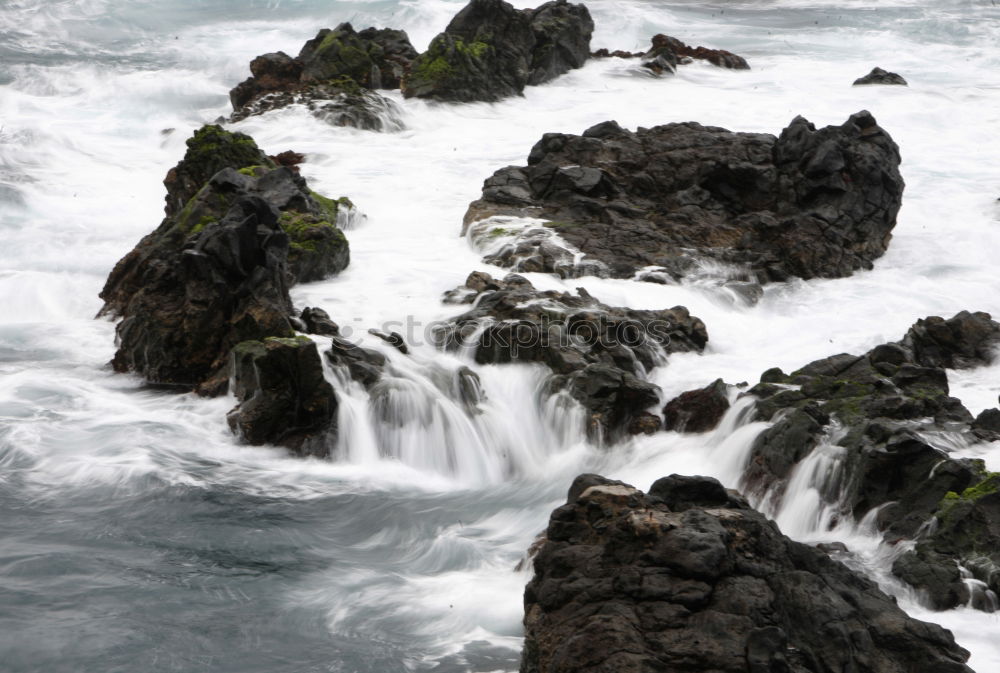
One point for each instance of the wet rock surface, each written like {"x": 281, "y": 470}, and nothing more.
{"x": 666, "y": 53}
{"x": 491, "y": 51}
{"x": 697, "y": 410}
{"x": 810, "y": 203}
{"x": 599, "y": 354}
{"x": 888, "y": 409}
{"x": 283, "y": 397}
{"x": 334, "y": 76}
{"x": 689, "y": 578}
{"x": 216, "y": 271}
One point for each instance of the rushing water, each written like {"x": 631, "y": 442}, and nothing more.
{"x": 136, "y": 534}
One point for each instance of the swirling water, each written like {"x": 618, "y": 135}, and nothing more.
{"x": 134, "y": 531}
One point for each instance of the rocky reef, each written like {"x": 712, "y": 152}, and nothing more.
{"x": 891, "y": 413}
{"x": 239, "y": 231}
{"x": 491, "y": 51}
{"x": 335, "y": 75}
{"x": 658, "y": 203}
{"x": 598, "y": 353}
{"x": 687, "y": 577}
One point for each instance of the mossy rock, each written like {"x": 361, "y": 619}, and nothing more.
{"x": 317, "y": 248}
{"x": 455, "y": 69}
{"x": 209, "y": 150}
{"x": 340, "y": 55}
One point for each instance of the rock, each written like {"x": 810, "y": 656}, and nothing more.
{"x": 283, "y": 397}
{"x": 967, "y": 533}
{"x": 333, "y": 76}
{"x": 373, "y": 58}
{"x": 338, "y": 103}
{"x": 317, "y": 321}
{"x": 719, "y": 57}
{"x": 644, "y": 424}
{"x": 667, "y": 52}
{"x": 697, "y": 410}
{"x": 880, "y": 76}
{"x": 811, "y": 203}
{"x": 596, "y": 352}
{"x": 963, "y": 341}
{"x": 491, "y": 51}
{"x": 289, "y": 159}
{"x": 689, "y": 578}
{"x": 987, "y": 423}
{"x": 271, "y": 72}
{"x": 364, "y": 365}
{"x": 216, "y": 271}
{"x": 936, "y": 575}
{"x": 209, "y": 151}
{"x": 394, "y": 339}
{"x": 886, "y": 404}
{"x": 562, "y": 39}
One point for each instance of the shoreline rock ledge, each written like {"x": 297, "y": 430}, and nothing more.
{"x": 658, "y": 203}
{"x": 688, "y": 578}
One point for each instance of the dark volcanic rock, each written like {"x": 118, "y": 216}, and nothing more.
{"x": 363, "y": 364}
{"x": 283, "y": 397}
{"x": 373, "y": 58}
{"x": 880, "y": 76}
{"x": 216, "y": 271}
{"x": 697, "y": 410}
{"x": 338, "y": 103}
{"x": 271, "y": 72}
{"x": 689, "y": 578}
{"x": 491, "y": 51}
{"x": 967, "y": 531}
{"x": 333, "y": 76}
{"x": 667, "y": 52}
{"x": 887, "y": 406}
{"x": 810, "y": 203}
{"x": 600, "y": 354}
{"x": 562, "y": 39}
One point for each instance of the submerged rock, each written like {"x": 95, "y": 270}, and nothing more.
{"x": 599, "y": 354}
{"x": 880, "y": 76}
{"x": 216, "y": 271}
{"x": 884, "y": 408}
{"x": 810, "y": 203}
{"x": 689, "y": 578}
{"x": 491, "y": 51}
{"x": 334, "y": 76}
{"x": 283, "y": 397}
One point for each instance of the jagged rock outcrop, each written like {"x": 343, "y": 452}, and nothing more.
{"x": 884, "y": 408}
{"x": 810, "y": 203}
{"x": 599, "y": 354}
{"x": 334, "y": 76}
{"x": 689, "y": 578}
{"x": 666, "y": 53}
{"x": 697, "y": 410}
{"x": 283, "y": 397}
{"x": 880, "y": 76}
{"x": 216, "y": 271}
{"x": 491, "y": 51}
